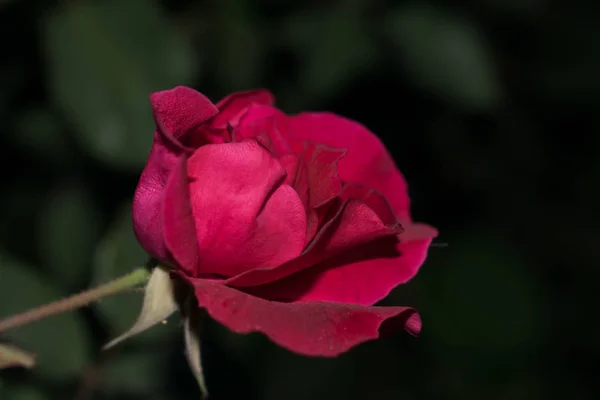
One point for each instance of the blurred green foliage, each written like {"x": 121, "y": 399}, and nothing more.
{"x": 490, "y": 108}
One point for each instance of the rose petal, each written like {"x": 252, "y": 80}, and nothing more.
{"x": 149, "y": 194}
{"x": 367, "y": 162}
{"x": 315, "y": 329}
{"x": 178, "y": 220}
{"x": 374, "y": 200}
{"x": 363, "y": 275}
{"x": 354, "y": 224}
{"x": 234, "y": 106}
{"x": 176, "y": 111}
{"x": 321, "y": 163}
{"x": 182, "y": 110}
{"x": 245, "y": 217}
{"x": 268, "y": 125}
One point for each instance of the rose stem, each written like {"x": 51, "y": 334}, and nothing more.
{"x": 134, "y": 278}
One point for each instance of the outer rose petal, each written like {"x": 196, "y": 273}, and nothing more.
{"x": 268, "y": 125}
{"x": 182, "y": 110}
{"x": 178, "y": 220}
{"x": 367, "y": 161}
{"x": 176, "y": 112}
{"x": 149, "y": 194}
{"x": 354, "y": 224}
{"x": 234, "y": 106}
{"x": 364, "y": 275}
{"x": 315, "y": 329}
{"x": 245, "y": 217}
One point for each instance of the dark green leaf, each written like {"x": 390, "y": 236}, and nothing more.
{"x": 135, "y": 373}
{"x": 39, "y": 133}
{"x": 60, "y": 342}
{"x": 68, "y": 229}
{"x": 446, "y": 55}
{"x": 334, "y": 47}
{"x": 240, "y": 49}
{"x": 483, "y": 298}
{"x": 105, "y": 58}
{"x": 21, "y": 393}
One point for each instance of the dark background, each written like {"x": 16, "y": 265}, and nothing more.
{"x": 490, "y": 108}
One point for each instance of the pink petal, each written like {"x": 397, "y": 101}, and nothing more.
{"x": 149, "y": 194}
{"x": 321, "y": 163}
{"x": 367, "y": 162}
{"x": 354, "y": 224}
{"x": 178, "y": 220}
{"x": 373, "y": 199}
{"x": 245, "y": 216}
{"x": 363, "y": 275}
{"x": 234, "y": 106}
{"x": 176, "y": 112}
{"x": 181, "y": 110}
{"x": 268, "y": 125}
{"x": 314, "y": 329}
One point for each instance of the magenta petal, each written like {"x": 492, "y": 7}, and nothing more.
{"x": 181, "y": 110}
{"x": 374, "y": 200}
{"x": 367, "y": 162}
{"x": 261, "y": 121}
{"x": 363, "y": 275}
{"x": 322, "y": 170}
{"x": 245, "y": 216}
{"x": 354, "y": 224}
{"x": 234, "y": 106}
{"x": 314, "y": 329}
{"x": 178, "y": 220}
{"x": 149, "y": 194}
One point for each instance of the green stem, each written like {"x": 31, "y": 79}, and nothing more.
{"x": 133, "y": 279}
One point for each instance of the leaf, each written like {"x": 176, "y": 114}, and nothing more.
{"x": 39, "y": 133}
{"x": 159, "y": 304}
{"x": 191, "y": 330}
{"x": 134, "y": 373}
{"x": 104, "y": 63}
{"x": 21, "y": 393}
{"x": 334, "y": 47}
{"x": 60, "y": 342}
{"x": 446, "y": 55}
{"x": 483, "y": 299}
{"x": 68, "y": 229}
{"x": 241, "y": 52}
{"x": 12, "y": 356}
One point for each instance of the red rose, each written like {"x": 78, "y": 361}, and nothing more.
{"x": 293, "y": 226}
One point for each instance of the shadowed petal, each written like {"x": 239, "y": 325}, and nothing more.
{"x": 234, "y": 106}
{"x": 367, "y": 162}
{"x": 364, "y": 275}
{"x": 321, "y": 163}
{"x": 315, "y": 329}
{"x": 268, "y": 125}
{"x": 178, "y": 219}
{"x": 354, "y": 224}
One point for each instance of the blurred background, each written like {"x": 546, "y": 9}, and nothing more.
{"x": 490, "y": 108}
